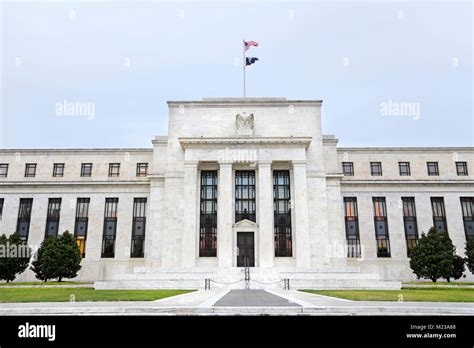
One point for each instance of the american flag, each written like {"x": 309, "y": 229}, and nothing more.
{"x": 248, "y": 44}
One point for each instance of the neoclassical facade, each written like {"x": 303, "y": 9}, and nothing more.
{"x": 235, "y": 183}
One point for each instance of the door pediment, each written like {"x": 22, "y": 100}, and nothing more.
{"x": 245, "y": 223}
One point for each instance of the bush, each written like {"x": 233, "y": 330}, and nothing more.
{"x": 433, "y": 257}
{"x": 58, "y": 257}
{"x": 14, "y": 256}
{"x": 470, "y": 254}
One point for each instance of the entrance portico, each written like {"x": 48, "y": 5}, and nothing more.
{"x": 261, "y": 156}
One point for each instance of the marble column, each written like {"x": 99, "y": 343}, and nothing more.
{"x": 265, "y": 213}
{"x": 191, "y": 204}
{"x": 224, "y": 216}
{"x": 300, "y": 203}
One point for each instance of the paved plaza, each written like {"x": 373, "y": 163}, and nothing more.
{"x": 240, "y": 302}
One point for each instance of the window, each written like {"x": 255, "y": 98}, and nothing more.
{"x": 114, "y": 169}
{"x": 376, "y": 168}
{"x": 208, "y": 214}
{"x": 142, "y": 169}
{"x": 404, "y": 168}
{"x": 58, "y": 169}
{"x": 110, "y": 227}
{"x": 439, "y": 214}
{"x": 282, "y": 213}
{"x": 30, "y": 170}
{"x": 352, "y": 226}
{"x": 86, "y": 169}
{"x": 467, "y": 204}
{"x": 82, "y": 224}
{"x": 381, "y": 227}
{"x": 433, "y": 169}
{"x": 138, "y": 227}
{"x": 3, "y": 170}
{"x": 461, "y": 168}
{"x": 348, "y": 168}
{"x": 409, "y": 222}
{"x": 52, "y": 219}
{"x": 1, "y": 207}
{"x": 245, "y": 195}
{"x": 24, "y": 217}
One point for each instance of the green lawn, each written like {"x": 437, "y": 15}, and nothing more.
{"x": 42, "y": 283}
{"x": 82, "y": 294}
{"x": 409, "y": 295}
{"x": 440, "y": 283}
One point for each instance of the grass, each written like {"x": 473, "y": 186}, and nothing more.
{"x": 82, "y": 294}
{"x": 409, "y": 295}
{"x": 440, "y": 283}
{"x": 42, "y": 283}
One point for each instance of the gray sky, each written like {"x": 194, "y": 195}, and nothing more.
{"x": 128, "y": 58}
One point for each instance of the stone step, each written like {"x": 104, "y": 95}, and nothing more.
{"x": 319, "y": 284}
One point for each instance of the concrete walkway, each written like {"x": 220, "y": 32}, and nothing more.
{"x": 253, "y": 298}
{"x": 240, "y": 302}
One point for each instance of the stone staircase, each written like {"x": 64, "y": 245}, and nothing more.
{"x": 260, "y": 278}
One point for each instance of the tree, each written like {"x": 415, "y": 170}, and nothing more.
{"x": 14, "y": 256}
{"x": 457, "y": 269}
{"x": 58, "y": 257}
{"x": 470, "y": 254}
{"x": 434, "y": 255}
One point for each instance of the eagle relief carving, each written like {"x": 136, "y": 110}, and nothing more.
{"x": 244, "y": 124}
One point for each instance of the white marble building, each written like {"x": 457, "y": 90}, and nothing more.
{"x": 240, "y": 182}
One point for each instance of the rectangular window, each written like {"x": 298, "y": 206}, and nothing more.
{"x": 58, "y": 169}
{"x": 1, "y": 208}
{"x": 467, "y": 204}
{"x": 352, "y": 227}
{"x": 24, "y": 217}
{"x": 348, "y": 168}
{"x": 409, "y": 222}
{"x": 376, "y": 168}
{"x": 142, "y": 169}
{"x": 208, "y": 214}
{"x": 3, "y": 170}
{"x": 82, "y": 223}
{"x": 245, "y": 195}
{"x": 114, "y": 169}
{"x": 381, "y": 227}
{"x": 282, "y": 213}
{"x": 138, "y": 227}
{"x": 30, "y": 170}
{"x": 52, "y": 218}
{"x": 110, "y": 227}
{"x": 86, "y": 169}
{"x": 433, "y": 169}
{"x": 439, "y": 214}
{"x": 461, "y": 168}
{"x": 404, "y": 168}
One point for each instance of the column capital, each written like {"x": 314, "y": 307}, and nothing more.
{"x": 262, "y": 163}
{"x": 299, "y": 163}
{"x": 191, "y": 163}
{"x": 225, "y": 164}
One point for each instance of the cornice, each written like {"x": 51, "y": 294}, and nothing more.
{"x": 213, "y": 141}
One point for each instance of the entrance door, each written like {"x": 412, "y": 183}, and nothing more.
{"x": 245, "y": 245}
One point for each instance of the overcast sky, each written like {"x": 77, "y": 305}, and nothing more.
{"x": 126, "y": 59}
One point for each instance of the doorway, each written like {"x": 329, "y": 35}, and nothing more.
{"x": 245, "y": 247}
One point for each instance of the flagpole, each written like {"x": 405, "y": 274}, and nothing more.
{"x": 243, "y": 62}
